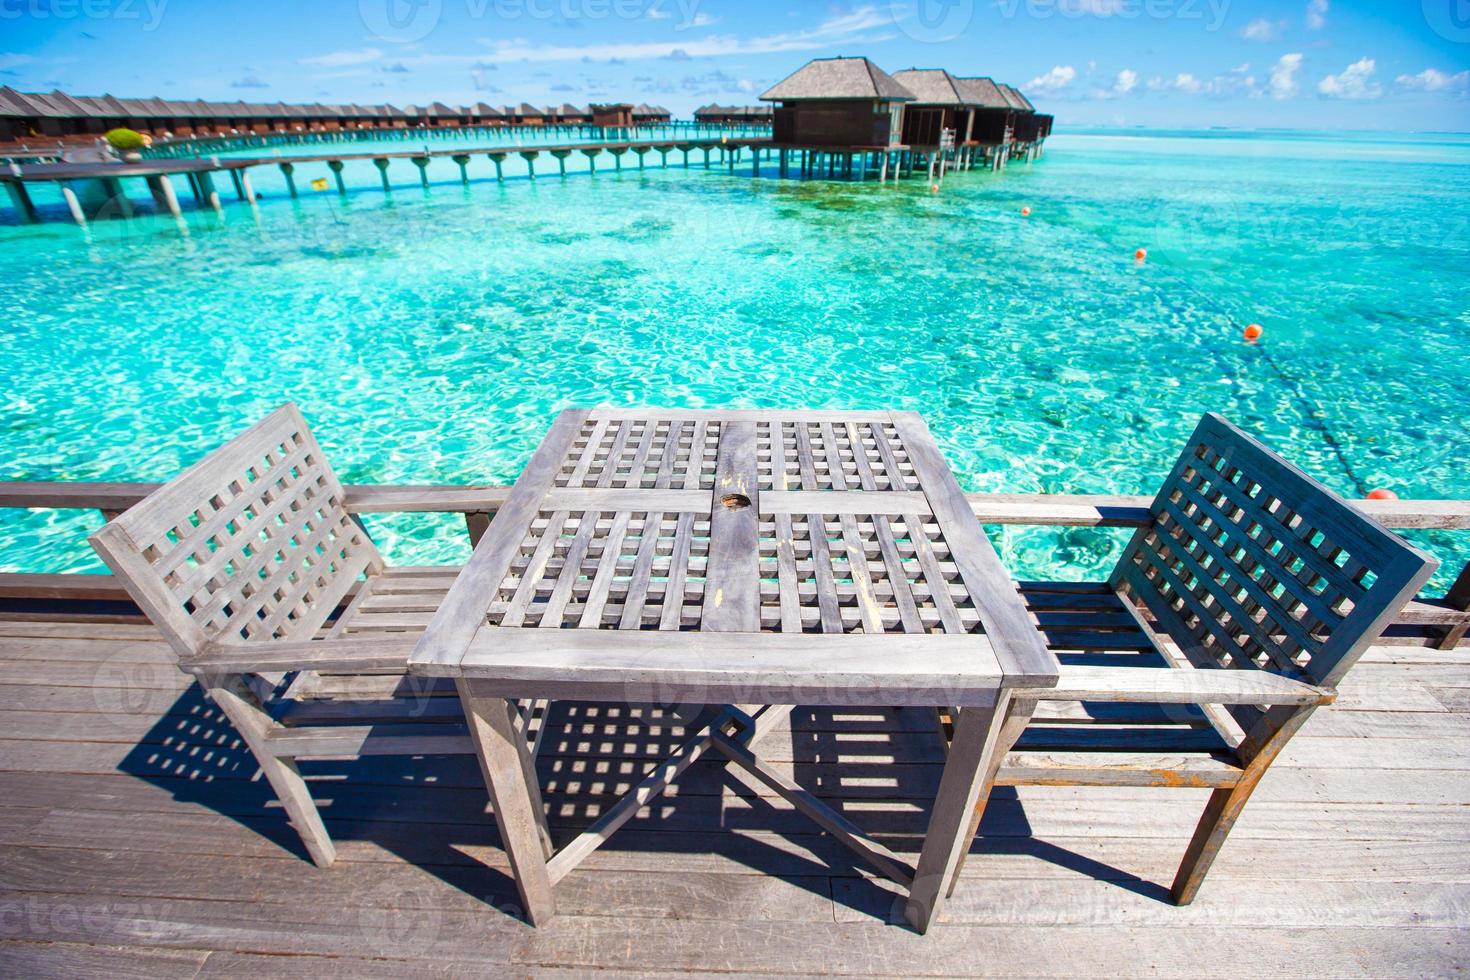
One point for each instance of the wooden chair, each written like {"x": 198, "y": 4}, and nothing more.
{"x": 244, "y": 562}
{"x": 1228, "y": 620}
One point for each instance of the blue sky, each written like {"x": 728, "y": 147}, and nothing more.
{"x": 1320, "y": 64}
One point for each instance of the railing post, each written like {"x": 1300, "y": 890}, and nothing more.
{"x": 477, "y": 523}
{"x": 1458, "y": 597}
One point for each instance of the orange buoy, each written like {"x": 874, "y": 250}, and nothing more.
{"x": 934, "y": 188}
{"x": 1253, "y": 333}
{"x": 1025, "y": 212}
{"x": 1140, "y": 255}
{"x": 1383, "y": 494}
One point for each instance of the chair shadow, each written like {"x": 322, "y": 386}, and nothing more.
{"x": 878, "y": 767}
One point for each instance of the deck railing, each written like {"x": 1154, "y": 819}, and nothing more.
{"x": 1440, "y": 621}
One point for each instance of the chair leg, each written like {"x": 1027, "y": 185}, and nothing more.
{"x": 1209, "y": 836}
{"x": 232, "y": 695}
{"x": 1262, "y": 745}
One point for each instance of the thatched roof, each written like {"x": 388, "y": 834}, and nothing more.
{"x": 983, "y": 92}
{"x": 932, "y": 86}
{"x": 1014, "y": 98}
{"x": 838, "y": 78}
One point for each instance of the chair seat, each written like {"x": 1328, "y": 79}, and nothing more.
{"x": 401, "y": 600}
{"x": 1103, "y": 743}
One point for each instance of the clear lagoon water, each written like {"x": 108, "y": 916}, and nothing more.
{"x": 430, "y": 335}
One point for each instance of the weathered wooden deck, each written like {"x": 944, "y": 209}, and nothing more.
{"x": 138, "y": 843}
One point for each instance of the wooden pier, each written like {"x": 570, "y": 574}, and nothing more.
{"x": 140, "y": 842}
{"x": 764, "y": 156}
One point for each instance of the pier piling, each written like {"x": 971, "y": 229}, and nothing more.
{"x": 73, "y": 205}
{"x": 336, "y": 167}
{"x": 382, "y": 164}
{"x": 289, "y": 170}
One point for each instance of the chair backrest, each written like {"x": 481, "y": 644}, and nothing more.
{"x": 1251, "y": 563}
{"x": 250, "y": 543}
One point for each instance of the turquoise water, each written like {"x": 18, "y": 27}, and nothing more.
{"x": 430, "y": 335}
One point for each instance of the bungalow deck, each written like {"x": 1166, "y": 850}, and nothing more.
{"x": 139, "y": 841}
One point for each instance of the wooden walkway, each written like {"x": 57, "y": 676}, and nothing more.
{"x": 137, "y": 843}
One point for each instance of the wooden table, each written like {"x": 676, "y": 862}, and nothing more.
{"x": 747, "y": 562}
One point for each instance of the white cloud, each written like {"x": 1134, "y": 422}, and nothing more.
{"x": 1098, "y": 8}
{"x": 1316, "y": 14}
{"x": 1283, "y": 76}
{"x": 11, "y": 59}
{"x": 1434, "y": 80}
{"x": 1053, "y": 81}
{"x": 341, "y": 59}
{"x": 1354, "y": 82}
{"x": 1236, "y": 81}
{"x": 854, "y": 27}
{"x": 1124, "y": 84}
{"x": 1263, "y": 29}
{"x": 1182, "y": 82}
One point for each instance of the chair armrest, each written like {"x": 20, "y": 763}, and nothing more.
{"x": 267, "y": 657}
{"x": 1183, "y": 685}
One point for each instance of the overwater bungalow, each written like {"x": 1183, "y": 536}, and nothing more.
{"x": 651, "y": 115}
{"x": 61, "y": 118}
{"x": 528, "y": 115}
{"x": 993, "y": 120}
{"x": 847, "y": 103}
{"x": 570, "y": 115}
{"x": 488, "y": 115}
{"x": 940, "y": 107}
{"x": 733, "y": 115}
{"x": 613, "y": 115}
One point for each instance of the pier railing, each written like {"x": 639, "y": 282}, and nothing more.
{"x": 1437, "y": 621}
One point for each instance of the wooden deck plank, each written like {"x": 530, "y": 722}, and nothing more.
{"x": 138, "y": 843}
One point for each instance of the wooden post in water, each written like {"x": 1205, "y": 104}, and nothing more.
{"x": 247, "y": 191}
{"x": 463, "y": 159}
{"x": 208, "y": 196}
{"x": 21, "y": 199}
{"x": 335, "y": 166}
{"x": 289, "y": 169}
{"x": 640, "y": 152}
{"x": 382, "y": 164}
{"x": 235, "y": 179}
{"x": 422, "y": 163}
{"x": 591, "y": 153}
{"x": 561, "y": 159}
{"x": 499, "y": 160}
{"x": 115, "y": 195}
{"x": 617, "y": 155}
{"x": 530, "y": 157}
{"x": 73, "y": 205}
{"x": 164, "y": 196}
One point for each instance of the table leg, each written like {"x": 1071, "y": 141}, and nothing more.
{"x": 976, "y": 740}
{"x": 495, "y": 739}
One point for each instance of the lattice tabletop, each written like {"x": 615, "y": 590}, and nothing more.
{"x": 749, "y": 554}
